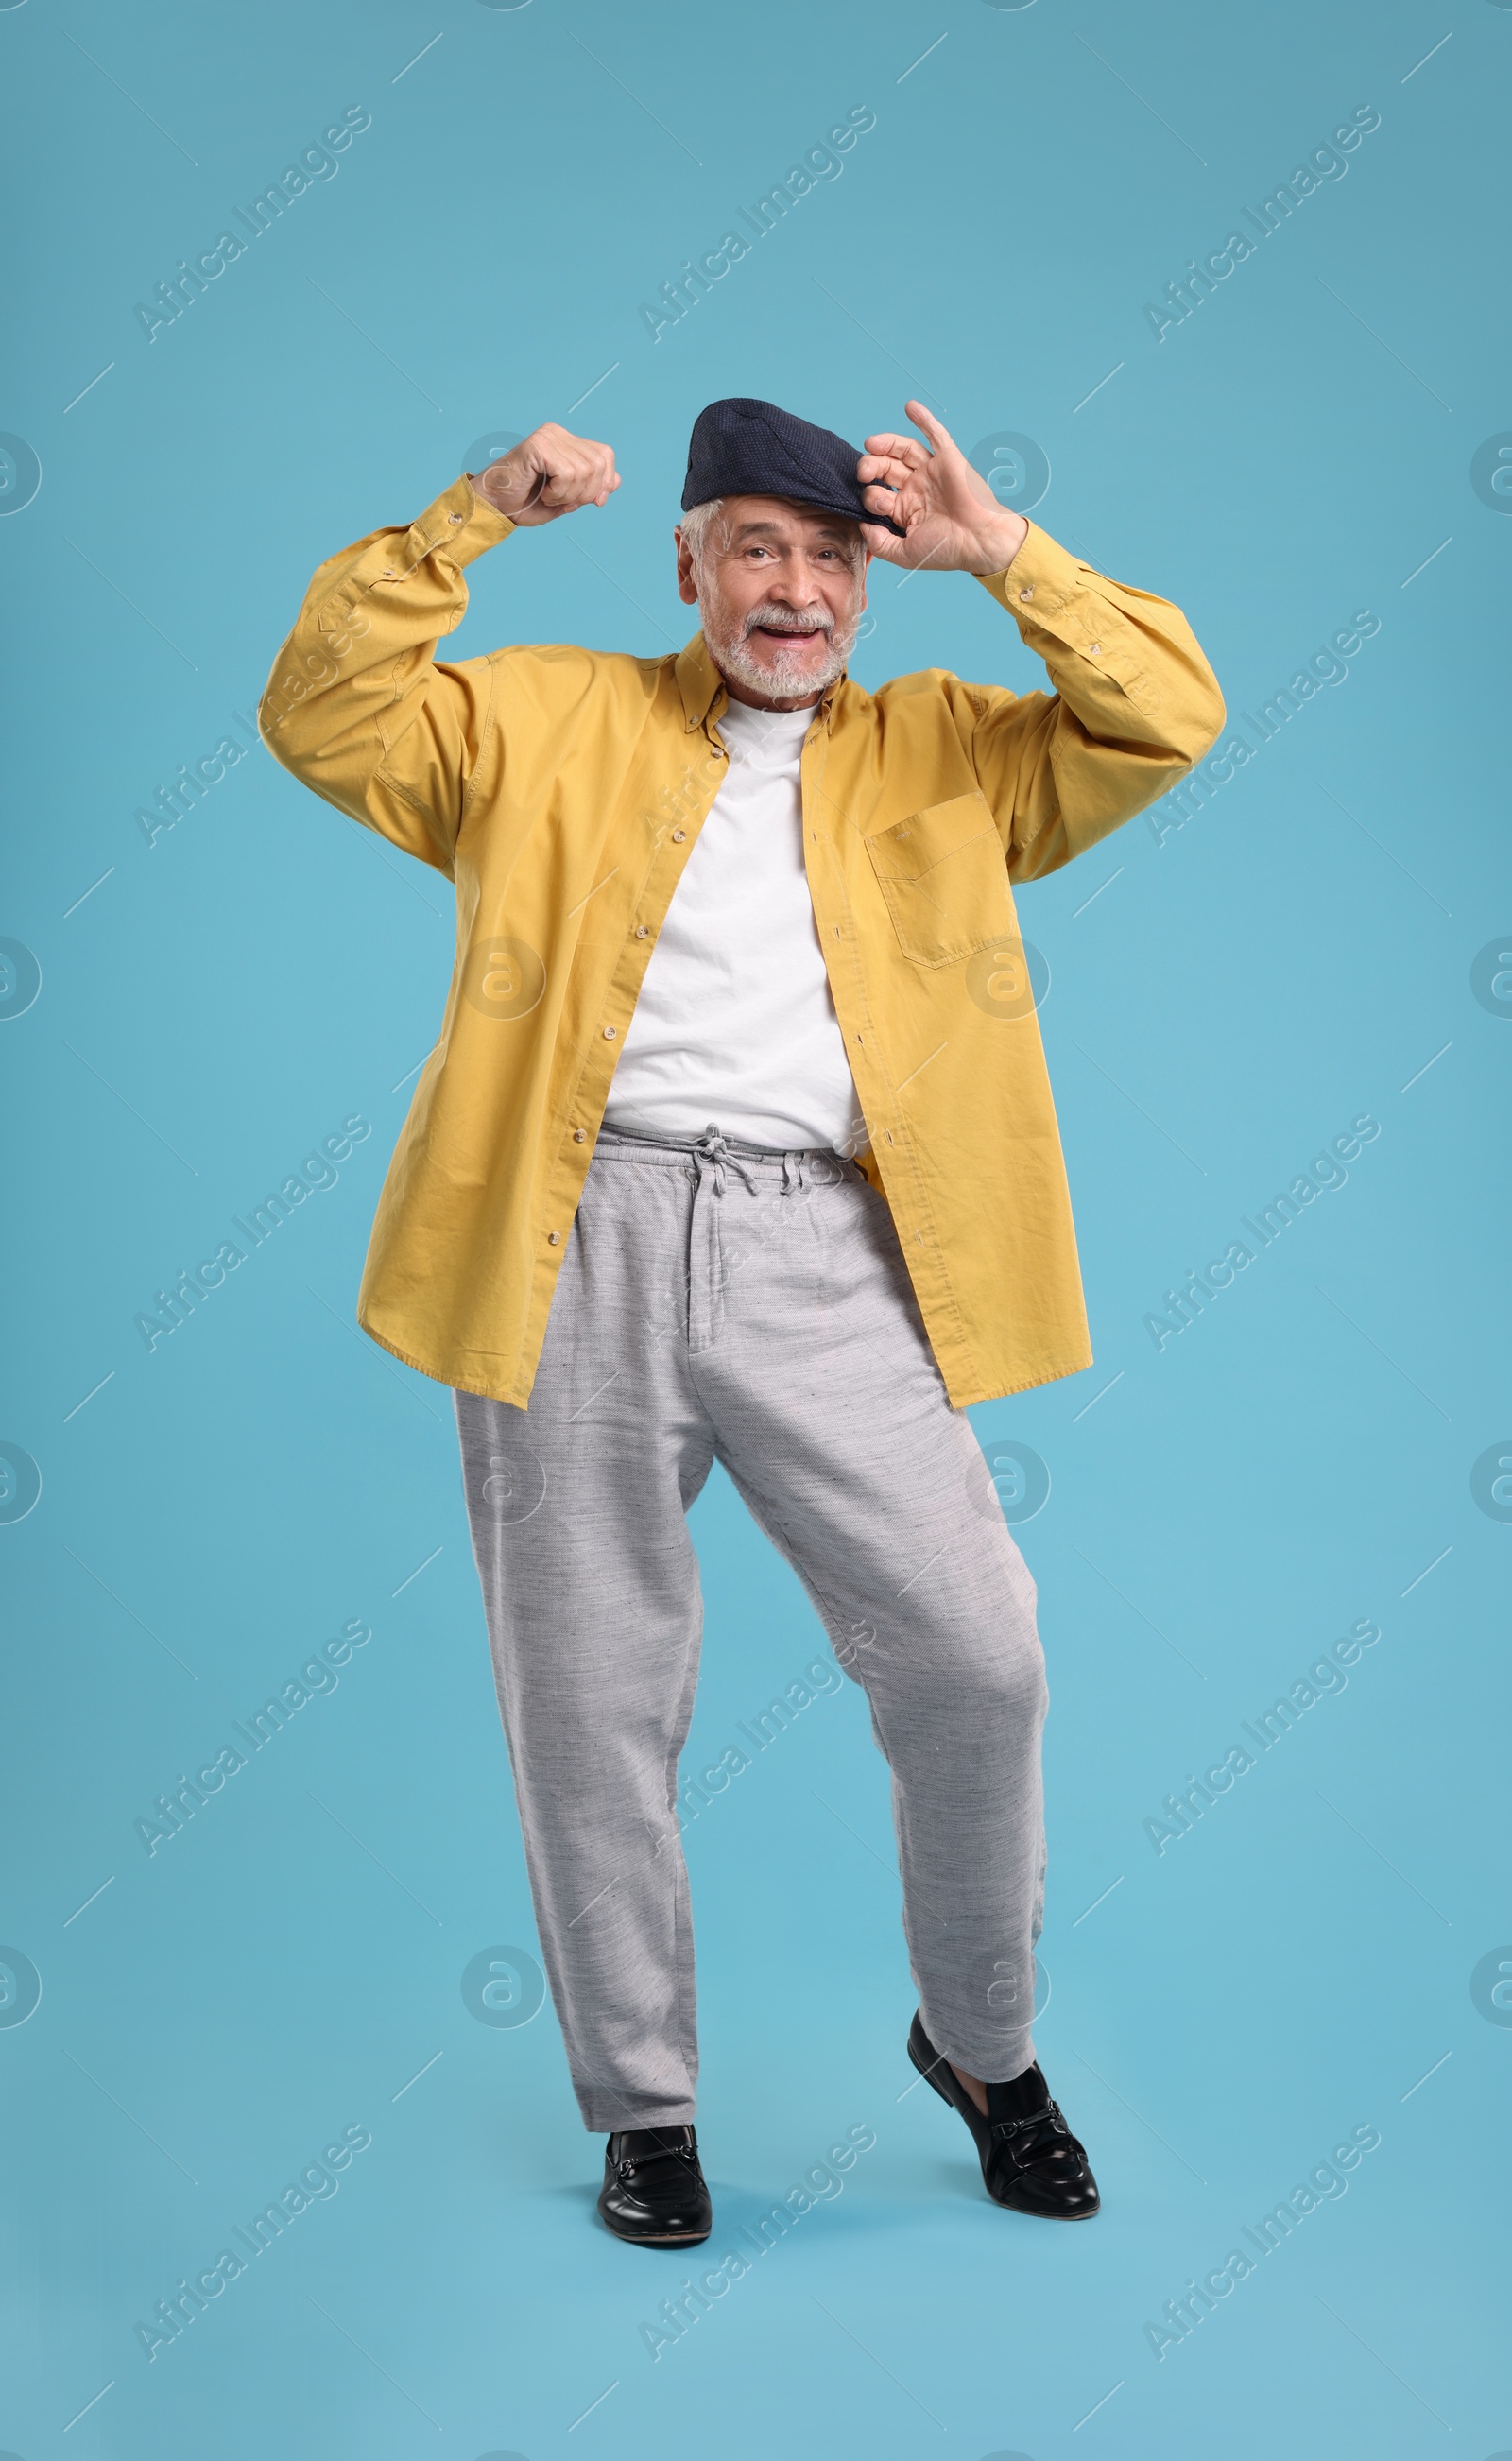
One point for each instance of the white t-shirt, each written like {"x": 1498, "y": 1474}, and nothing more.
{"x": 735, "y": 1024}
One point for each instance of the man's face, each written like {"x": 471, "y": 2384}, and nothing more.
{"x": 781, "y": 591}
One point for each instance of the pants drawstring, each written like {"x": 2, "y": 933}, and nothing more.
{"x": 712, "y": 1154}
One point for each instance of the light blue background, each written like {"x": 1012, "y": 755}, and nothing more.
{"x": 212, "y": 1006}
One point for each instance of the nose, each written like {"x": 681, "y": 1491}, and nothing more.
{"x": 796, "y": 587}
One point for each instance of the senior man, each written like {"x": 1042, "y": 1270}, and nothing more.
{"x": 738, "y": 1144}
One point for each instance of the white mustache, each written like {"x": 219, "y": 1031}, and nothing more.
{"x": 784, "y": 619}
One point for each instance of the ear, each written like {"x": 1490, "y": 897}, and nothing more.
{"x": 687, "y": 586}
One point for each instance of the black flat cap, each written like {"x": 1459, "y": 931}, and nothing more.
{"x": 751, "y": 448}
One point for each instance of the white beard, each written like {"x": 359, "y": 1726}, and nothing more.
{"x": 782, "y": 676}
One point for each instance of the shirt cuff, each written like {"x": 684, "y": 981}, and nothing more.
{"x": 462, "y": 522}
{"x": 1061, "y": 606}
{"x": 1039, "y": 582}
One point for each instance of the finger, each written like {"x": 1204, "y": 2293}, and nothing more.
{"x": 591, "y": 463}
{"x": 937, "y": 433}
{"x": 882, "y": 545}
{"x": 900, "y": 448}
{"x": 604, "y": 477}
{"x": 892, "y": 503}
{"x": 553, "y": 448}
{"x": 577, "y": 479}
{"x": 883, "y": 469}
{"x": 550, "y": 439}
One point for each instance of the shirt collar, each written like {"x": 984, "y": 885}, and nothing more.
{"x": 703, "y": 690}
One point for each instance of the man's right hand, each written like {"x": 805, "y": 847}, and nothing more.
{"x": 549, "y": 474}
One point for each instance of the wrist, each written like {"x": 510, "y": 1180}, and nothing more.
{"x": 999, "y": 541}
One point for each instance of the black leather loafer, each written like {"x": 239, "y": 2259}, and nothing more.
{"x": 654, "y": 2191}
{"x": 1030, "y": 2161}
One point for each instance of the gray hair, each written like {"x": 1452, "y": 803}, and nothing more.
{"x": 696, "y": 524}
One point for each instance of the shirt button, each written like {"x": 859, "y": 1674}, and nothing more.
{"x": 455, "y": 517}
{"x": 580, "y": 1136}
{"x": 678, "y": 836}
{"x": 554, "y": 1238}
{"x": 1093, "y": 649}
{"x": 641, "y": 931}
{"x": 1026, "y": 593}
{"x": 610, "y": 1032}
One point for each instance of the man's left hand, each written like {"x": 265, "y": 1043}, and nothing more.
{"x": 954, "y": 522}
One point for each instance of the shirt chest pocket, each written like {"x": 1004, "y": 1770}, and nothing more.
{"x": 945, "y": 878}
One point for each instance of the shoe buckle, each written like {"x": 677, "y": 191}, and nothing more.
{"x": 1005, "y": 2130}
{"x": 628, "y": 2163}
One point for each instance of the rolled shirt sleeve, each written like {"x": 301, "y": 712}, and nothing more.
{"x": 1135, "y": 704}
{"x": 357, "y": 706}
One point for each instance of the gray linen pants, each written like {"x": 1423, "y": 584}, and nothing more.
{"x": 720, "y": 1300}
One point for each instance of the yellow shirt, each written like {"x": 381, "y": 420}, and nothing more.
{"x": 563, "y": 790}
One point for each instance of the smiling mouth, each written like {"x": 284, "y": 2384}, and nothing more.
{"x": 790, "y": 632}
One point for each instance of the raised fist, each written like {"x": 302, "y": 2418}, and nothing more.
{"x": 549, "y": 474}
